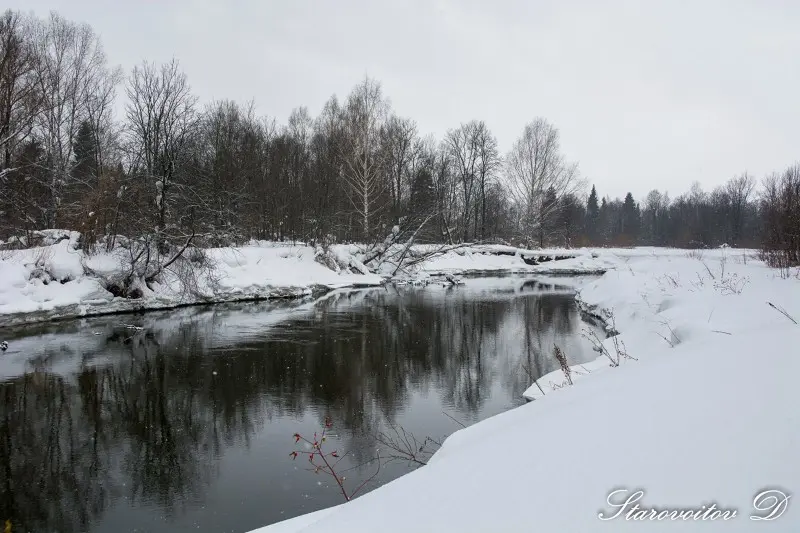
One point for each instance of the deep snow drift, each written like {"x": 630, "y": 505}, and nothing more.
{"x": 57, "y": 280}
{"x": 701, "y": 412}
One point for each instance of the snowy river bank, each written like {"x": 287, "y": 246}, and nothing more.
{"x": 59, "y": 281}
{"x": 694, "y": 403}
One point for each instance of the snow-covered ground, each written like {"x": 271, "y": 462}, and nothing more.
{"x": 494, "y": 259}
{"x": 57, "y": 280}
{"x": 701, "y": 412}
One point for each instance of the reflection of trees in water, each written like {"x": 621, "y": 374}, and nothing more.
{"x": 155, "y": 419}
{"x": 390, "y": 348}
{"x": 462, "y": 351}
{"x": 550, "y": 320}
{"x": 150, "y": 422}
{"x": 169, "y": 433}
{"x": 457, "y": 345}
{"x": 368, "y": 351}
{"x": 54, "y": 476}
{"x": 415, "y": 342}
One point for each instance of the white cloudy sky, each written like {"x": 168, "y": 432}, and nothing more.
{"x": 647, "y": 94}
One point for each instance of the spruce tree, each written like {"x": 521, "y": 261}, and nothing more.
{"x": 603, "y": 229}
{"x": 592, "y": 217}
{"x": 85, "y": 151}
{"x": 630, "y": 218}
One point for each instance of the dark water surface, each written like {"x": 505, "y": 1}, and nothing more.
{"x": 187, "y": 424}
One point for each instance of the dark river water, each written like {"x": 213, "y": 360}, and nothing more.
{"x": 187, "y": 424}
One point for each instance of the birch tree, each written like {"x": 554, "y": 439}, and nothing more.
{"x": 536, "y": 169}
{"x": 364, "y": 181}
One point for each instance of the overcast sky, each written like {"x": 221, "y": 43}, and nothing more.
{"x": 646, "y": 94}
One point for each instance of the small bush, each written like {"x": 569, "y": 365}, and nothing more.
{"x": 326, "y": 462}
{"x": 695, "y": 254}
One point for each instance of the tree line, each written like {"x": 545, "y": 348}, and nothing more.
{"x": 172, "y": 170}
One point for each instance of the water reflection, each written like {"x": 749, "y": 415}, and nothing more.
{"x": 187, "y": 423}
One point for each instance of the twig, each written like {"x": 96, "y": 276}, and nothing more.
{"x": 782, "y": 311}
{"x": 535, "y": 381}
{"x": 671, "y": 332}
{"x": 598, "y": 346}
{"x": 666, "y": 339}
{"x": 406, "y": 447}
{"x": 448, "y": 415}
{"x": 709, "y": 270}
{"x": 373, "y": 476}
{"x": 174, "y": 257}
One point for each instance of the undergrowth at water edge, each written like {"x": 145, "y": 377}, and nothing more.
{"x": 326, "y": 462}
{"x": 400, "y": 445}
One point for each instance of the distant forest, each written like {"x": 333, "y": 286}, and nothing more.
{"x": 218, "y": 174}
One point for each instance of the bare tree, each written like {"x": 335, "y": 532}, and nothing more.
{"x": 445, "y": 185}
{"x": 473, "y": 153}
{"x": 161, "y": 119}
{"x": 539, "y": 176}
{"x": 398, "y": 141}
{"x": 325, "y": 175}
{"x": 739, "y": 190}
{"x": 780, "y": 206}
{"x": 362, "y": 174}
{"x": 161, "y": 197}
{"x": 19, "y": 99}
{"x": 464, "y": 156}
{"x": 654, "y": 217}
{"x": 489, "y": 163}
{"x": 90, "y": 196}
{"x": 69, "y": 67}
{"x": 99, "y": 114}
{"x": 298, "y": 133}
